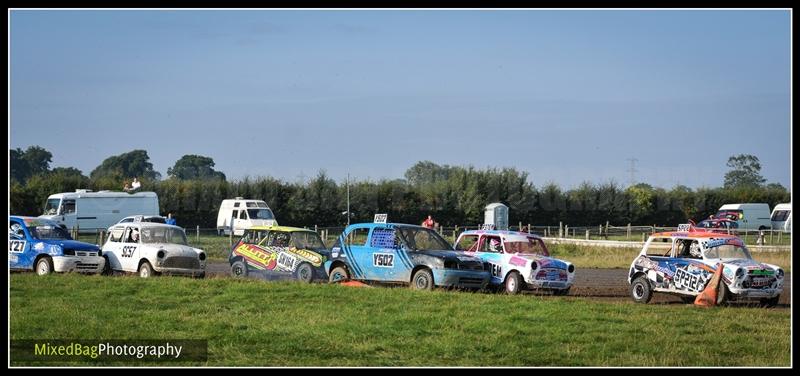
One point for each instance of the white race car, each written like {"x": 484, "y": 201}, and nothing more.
{"x": 151, "y": 249}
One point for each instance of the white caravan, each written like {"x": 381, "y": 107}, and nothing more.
{"x": 97, "y": 210}
{"x": 782, "y": 217}
{"x": 240, "y": 214}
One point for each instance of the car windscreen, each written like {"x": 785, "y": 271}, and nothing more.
{"x": 307, "y": 240}
{"x": 731, "y": 215}
{"x": 51, "y": 207}
{"x": 423, "y": 239}
{"x": 260, "y": 214}
{"x": 526, "y": 245}
{"x": 727, "y": 249}
{"x": 48, "y": 232}
{"x": 163, "y": 235}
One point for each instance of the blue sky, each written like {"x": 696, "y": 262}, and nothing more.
{"x": 566, "y": 96}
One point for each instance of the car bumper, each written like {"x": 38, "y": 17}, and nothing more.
{"x": 545, "y": 284}
{"x": 460, "y": 278}
{"x": 182, "y": 271}
{"x": 78, "y": 264}
{"x": 756, "y": 293}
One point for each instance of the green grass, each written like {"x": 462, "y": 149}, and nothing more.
{"x": 249, "y": 322}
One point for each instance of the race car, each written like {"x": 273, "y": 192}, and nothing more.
{"x": 44, "y": 246}
{"x": 403, "y": 253}
{"x": 682, "y": 263}
{"x": 518, "y": 260}
{"x": 279, "y": 252}
{"x": 151, "y": 249}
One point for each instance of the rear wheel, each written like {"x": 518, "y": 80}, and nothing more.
{"x": 640, "y": 290}
{"x": 44, "y": 266}
{"x": 304, "y": 272}
{"x": 239, "y": 269}
{"x": 513, "y": 283}
{"x": 338, "y": 274}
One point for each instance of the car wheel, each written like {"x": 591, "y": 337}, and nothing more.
{"x": 44, "y": 266}
{"x": 422, "y": 280}
{"x": 145, "y": 270}
{"x": 723, "y": 295}
{"x": 339, "y": 274}
{"x": 770, "y": 302}
{"x": 107, "y": 267}
{"x": 239, "y": 269}
{"x": 513, "y": 284}
{"x": 640, "y": 290}
{"x": 561, "y": 292}
{"x": 304, "y": 272}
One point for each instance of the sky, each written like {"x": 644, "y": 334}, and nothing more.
{"x": 566, "y": 96}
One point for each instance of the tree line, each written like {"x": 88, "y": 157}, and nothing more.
{"x": 453, "y": 195}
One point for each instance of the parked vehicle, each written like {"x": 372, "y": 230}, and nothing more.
{"x": 782, "y": 217}
{"x": 724, "y": 226}
{"x": 45, "y": 247}
{"x": 682, "y": 263}
{"x": 403, "y": 253}
{"x": 90, "y": 211}
{"x": 746, "y": 216}
{"x": 151, "y": 249}
{"x": 143, "y": 218}
{"x": 240, "y": 214}
{"x": 279, "y": 252}
{"x": 518, "y": 260}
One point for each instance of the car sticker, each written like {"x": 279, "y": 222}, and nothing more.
{"x": 383, "y": 260}
{"x": 16, "y": 246}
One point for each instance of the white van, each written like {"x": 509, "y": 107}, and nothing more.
{"x": 782, "y": 217}
{"x": 242, "y": 214}
{"x": 97, "y": 210}
{"x": 746, "y": 216}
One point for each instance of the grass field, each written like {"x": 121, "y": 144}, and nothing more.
{"x": 249, "y": 322}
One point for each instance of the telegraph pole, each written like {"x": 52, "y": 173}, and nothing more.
{"x": 632, "y": 170}
{"x": 348, "y": 198}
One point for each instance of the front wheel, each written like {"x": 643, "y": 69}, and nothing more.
{"x": 145, "y": 270}
{"x": 44, "y": 266}
{"x": 770, "y": 302}
{"x": 239, "y": 269}
{"x": 513, "y": 283}
{"x": 723, "y": 295}
{"x": 304, "y": 273}
{"x": 640, "y": 290}
{"x": 422, "y": 280}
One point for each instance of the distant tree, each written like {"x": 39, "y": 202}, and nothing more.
{"x": 135, "y": 163}
{"x": 425, "y": 172}
{"x": 67, "y": 171}
{"x": 776, "y": 186}
{"x": 33, "y": 161}
{"x": 191, "y": 167}
{"x": 746, "y": 172}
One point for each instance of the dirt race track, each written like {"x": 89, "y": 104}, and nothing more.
{"x": 596, "y": 283}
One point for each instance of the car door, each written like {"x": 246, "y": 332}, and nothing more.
{"x": 130, "y": 249}
{"x": 19, "y": 249}
{"x": 358, "y": 254}
{"x": 112, "y": 250}
{"x": 490, "y": 249}
{"x": 388, "y": 262}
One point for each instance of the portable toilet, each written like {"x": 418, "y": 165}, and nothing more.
{"x": 496, "y": 214}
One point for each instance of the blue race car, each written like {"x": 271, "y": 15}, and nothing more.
{"x": 402, "y": 253}
{"x": 42, "y": 245}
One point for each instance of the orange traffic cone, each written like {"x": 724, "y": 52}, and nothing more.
{"x": 354, "y": 284}
{"x": 708, "y": 298}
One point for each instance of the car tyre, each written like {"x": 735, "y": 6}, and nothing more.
{"x": 239, "y": 269}
{"x": 770, "y": 302}
{"x": 422, "y": 280}
{"x": 146, "y": 270}
{"x": 641, "y": 292}
{"x": 513, "y": 283}
{"x": 723, "y": 295}
{"x": 304, "y": 272}
{"x": 562, "y": 292}
{"x": 44, "y": 266}
{"x": 339, "y": 274}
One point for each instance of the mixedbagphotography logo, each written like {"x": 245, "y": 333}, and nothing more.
{"x": 180, "y": 350}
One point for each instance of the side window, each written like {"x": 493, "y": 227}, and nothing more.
{"x": 68, "y": 206}
{"x": 254, "y": 236}
{"x": 235, "y": 214}
{"x": 357, "y": 237}
{"x": 278, "y": 239}
{"x": 116, "y": 235}
{"x": 235, "y": 205}
{"x": 492, "y": 244}
{"x": 468, "y": 243}
{"x": 384, "y": 238}
{"x": 243, "y": 214}
{"x": 15, "y": 230}
{"x": 127, "y": 237}
{"x": 659, "y": 247}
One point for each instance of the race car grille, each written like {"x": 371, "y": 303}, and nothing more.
{"x": 84, "y": 266}
{"x": 183, "y": 262}
{"x": 757, "y": 282}
{"x": 466, "y": 265}
{"x": 85, "y": 253}
{"x": 551, "y": 275}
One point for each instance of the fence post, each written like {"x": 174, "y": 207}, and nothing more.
{"x": 197, "y": 238}
{"x": 771, "y": 237}
{"x": 102, "y": 237}
{"x": 642, "y": 237}
{"x": 606, "y": 237}
{"x": 547, "y": 232}
{"x": 566, "y": 231}
{"x": 529, "y": 228}
{"x": 560, "y": 229}
{"x": 587, "y": 234}
{"x": 629, "y": 231}
{"x": 230, "y": 236}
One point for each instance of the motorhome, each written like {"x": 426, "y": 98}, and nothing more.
{"x": 782, "y": 217}
{"x": 89, "y": 211}
{"x": 239, "y": 214}
{"x": 747, "y": 216}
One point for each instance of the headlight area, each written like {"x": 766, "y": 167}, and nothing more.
{"x": 160, "y": 255}
{"x": 571, "y": 268}
{"x": 202, "y": 256}
{"x": 68, "y": 252}
{"x": 780, "y": 273}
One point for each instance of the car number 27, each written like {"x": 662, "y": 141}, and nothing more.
{"x": 127, "y": 251}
